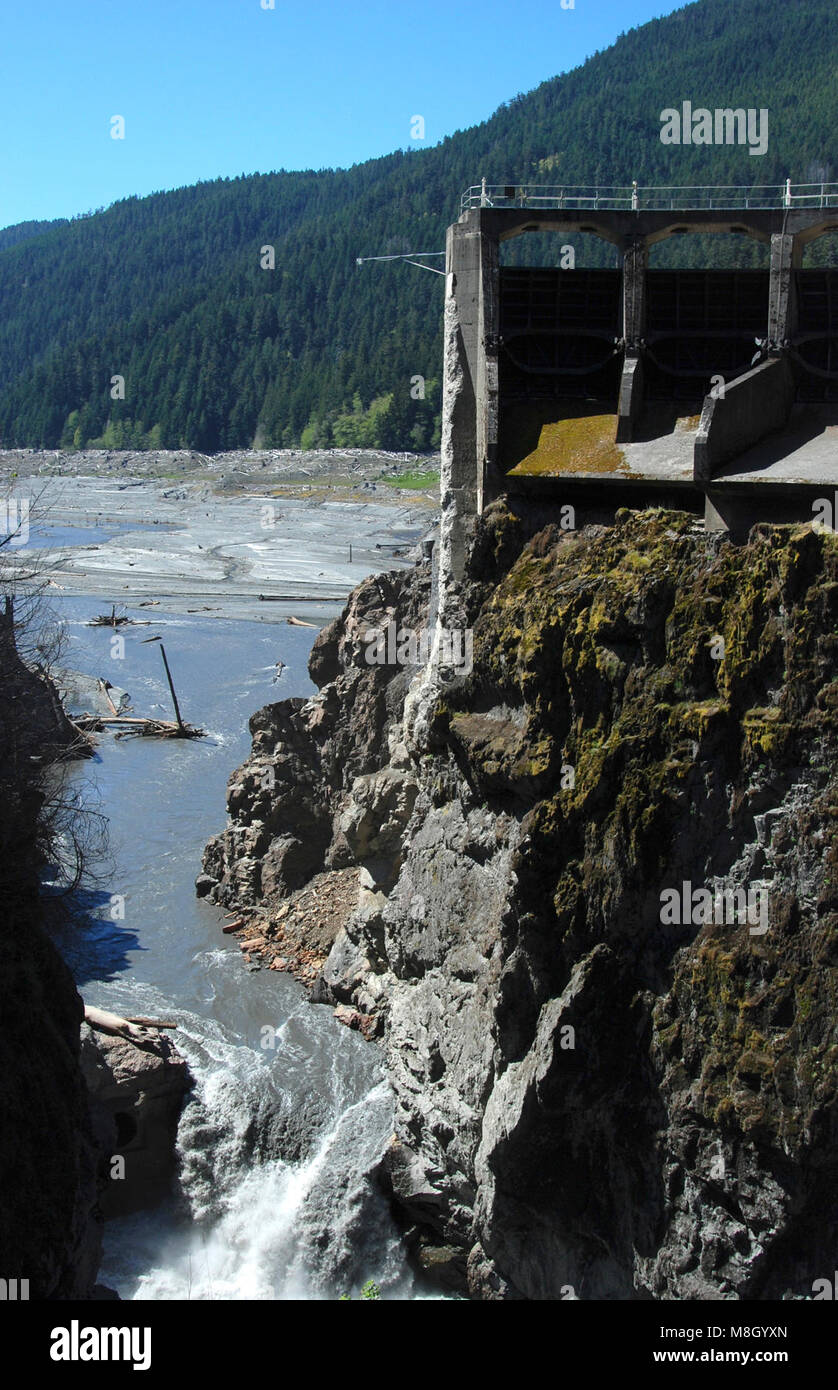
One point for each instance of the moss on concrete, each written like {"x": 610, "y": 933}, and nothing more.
{"x": 582, "y": 440}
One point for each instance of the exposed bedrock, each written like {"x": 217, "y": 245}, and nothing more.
{"x": 595, "y": 1098}
{"x": 286, "y": 802}
{"x": 50, "y": 1223}
{"x": 137, "y": 1081}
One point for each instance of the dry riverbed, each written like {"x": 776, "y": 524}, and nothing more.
{"x": 239, "y": 535}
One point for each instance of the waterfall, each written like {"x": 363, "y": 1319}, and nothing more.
{"x": 277, "y": 1195}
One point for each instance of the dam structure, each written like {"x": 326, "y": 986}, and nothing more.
{"x": 712, "y": 390}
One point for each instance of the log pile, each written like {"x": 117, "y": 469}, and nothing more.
{"x": 146, "y": 728}
{"x": 126, "y": 724}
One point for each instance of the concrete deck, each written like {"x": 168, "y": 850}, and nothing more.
{"x": 804, "y": 453}
{"x": 663, "y": 453}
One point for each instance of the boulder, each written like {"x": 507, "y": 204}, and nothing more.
{"x": 137, "y": 1081}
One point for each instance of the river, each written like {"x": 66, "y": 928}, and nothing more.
{"x": 276, "y": 1144}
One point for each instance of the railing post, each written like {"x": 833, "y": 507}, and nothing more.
{"x": 634, "y": 204}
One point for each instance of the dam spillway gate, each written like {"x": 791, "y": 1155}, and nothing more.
{"x": 715, "y": 389}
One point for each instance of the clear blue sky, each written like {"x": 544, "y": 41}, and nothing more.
{"x": 224, "y": 87}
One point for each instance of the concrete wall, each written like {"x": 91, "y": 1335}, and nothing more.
{"x": 754, "y": 405}
{"x": 460, "y": 481}
{"x": 786, "y": 257}
{"x": 630, "y": 401}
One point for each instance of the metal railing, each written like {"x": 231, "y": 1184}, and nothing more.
{"x": 634, "y": 198}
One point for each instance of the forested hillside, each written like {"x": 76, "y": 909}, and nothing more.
{"x": 169, "y": 292}
{"x": 22, "y": 231}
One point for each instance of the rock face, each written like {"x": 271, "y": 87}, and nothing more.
{"x": 286, "y": 801}
{"x": 137, "y": 1081}
{"x": 35, "y": 725}
{"x": 50, "y": 1224}
{"x": 598, "y": 1096}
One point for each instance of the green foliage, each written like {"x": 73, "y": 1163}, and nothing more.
{"x": 169, "y": 291}
{"x": 369, "y": 1290}
{"x": 22, "y": 231}
{"x": 413, "y": 479}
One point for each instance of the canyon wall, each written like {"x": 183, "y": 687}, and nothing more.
{"x": 596, "y": 1097}
{"x": 50, "y": 1226}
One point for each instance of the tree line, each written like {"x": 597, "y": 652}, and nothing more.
{"x": 163, "y": 322}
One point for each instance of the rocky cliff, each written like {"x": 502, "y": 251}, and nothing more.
{"x": 137, "y": 1081}
{"x": 597, "y": 1096}
{"x": 50, "y": 1226}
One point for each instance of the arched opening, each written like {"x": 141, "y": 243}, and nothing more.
{"x": 559, "y": 345}
{"x": 822, "y": 252}
{"x": 709, "y": 251}
{"x": 551, "y": 247}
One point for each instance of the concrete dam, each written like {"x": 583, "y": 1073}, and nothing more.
{"x": 712, "y": 390}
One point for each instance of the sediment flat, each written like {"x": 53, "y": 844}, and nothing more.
{"x": 264, "y": 548}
